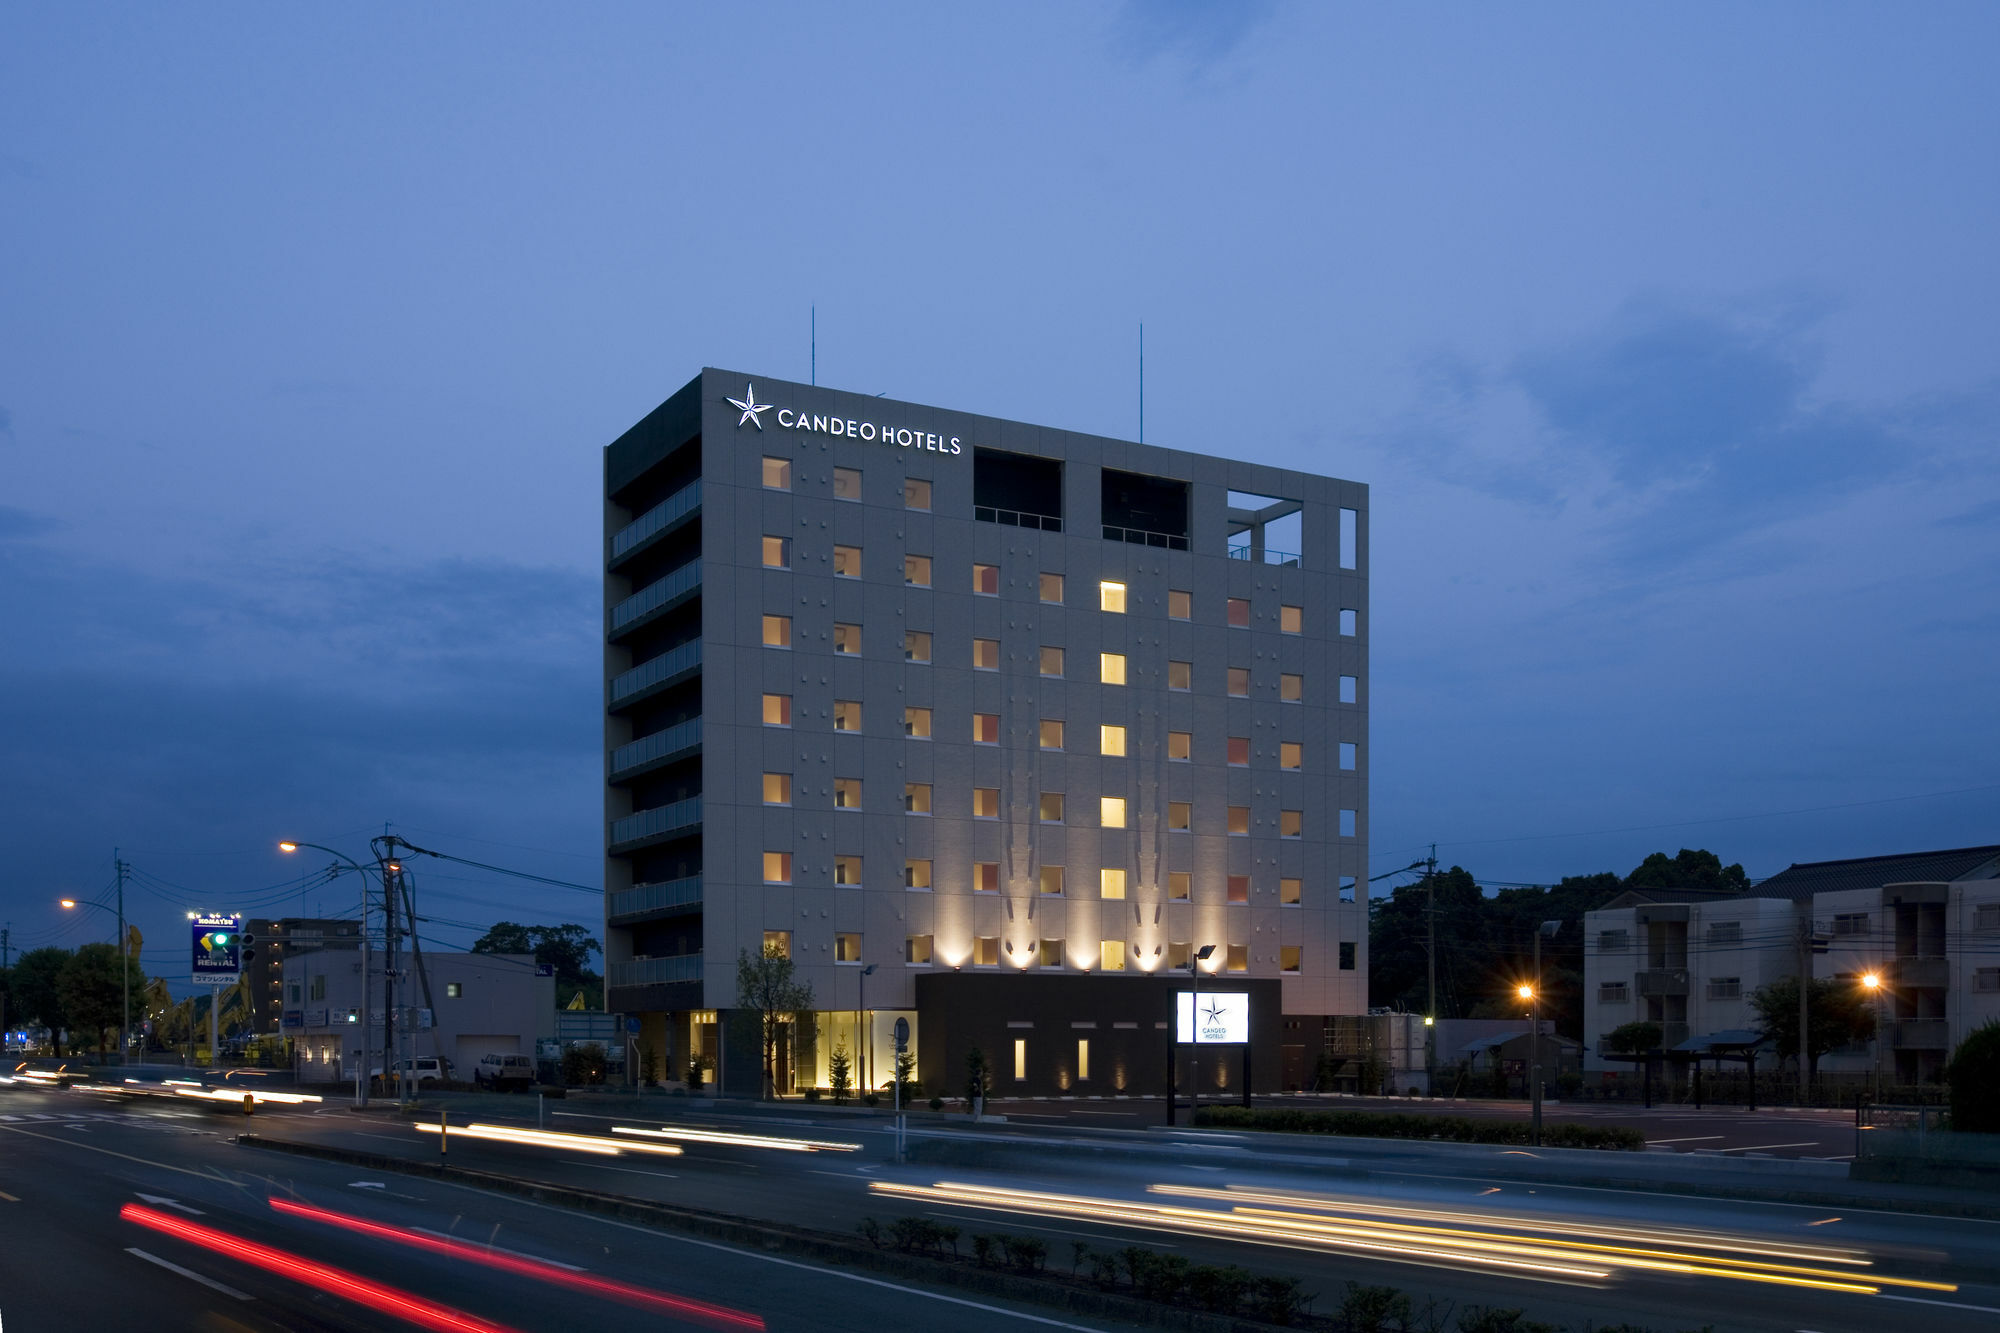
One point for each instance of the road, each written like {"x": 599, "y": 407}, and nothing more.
{"x": 69, "y": 1261}
{"x": 1447, "y": 1229}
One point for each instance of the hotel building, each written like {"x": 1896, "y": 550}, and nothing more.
{"x": 988, "y": 726}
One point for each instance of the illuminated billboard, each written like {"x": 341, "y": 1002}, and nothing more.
{"x": 1222, "y": 1019}
{"x": 218, "y": 958}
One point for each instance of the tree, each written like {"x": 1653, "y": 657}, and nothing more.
{"x": 1974, "y": 1075}
{"x": 840, "y": 1073}
{"x": 566, "y": 950}
{"x": 93, "y": 993}
{"x": 1840, "y": 1014}
{"x": 767, "y": 989}
{"x": 1691, "y": 869}
{"x": 38, "y": 991}
{"x": 1639, "y": 1038}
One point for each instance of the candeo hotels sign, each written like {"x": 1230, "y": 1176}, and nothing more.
{"x": 817, "y": 423}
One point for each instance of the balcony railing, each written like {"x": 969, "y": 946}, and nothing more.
{"x": 1264, "y": 555}
{"x": 1141, "y": 537}
{"x": 659, "y": 822}
{"x": 651, "y": 751}
{"x": 628, "y": 687}
{"x": 1930, "y": 972}
{"x": 655, "y": 598}
{"x": 672, "y": 895}
{"x": 655, "y": 971}
{"x": 1923, "y": 1034}
{"x": 1663, "y": 981}
{"x": 1014, "y": 518}
{"x": 662, "y": 517}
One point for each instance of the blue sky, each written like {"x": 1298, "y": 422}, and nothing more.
{"x": 1664, "y": 335}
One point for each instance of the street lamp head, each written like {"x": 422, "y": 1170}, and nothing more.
{"x": 69, "y": 902}
{"x": 1204, "y": 952}
{"x": 1871, "y": 980}
{"x": 1525, "y": 991}
{"x": 288, "y": 847}
{"x": 869, "y": 970}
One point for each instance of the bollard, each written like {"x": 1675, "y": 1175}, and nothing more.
{"x": 540, "y": 1123}
{"x": 444, "y": 1128}
{"x": 249, "y": 1104}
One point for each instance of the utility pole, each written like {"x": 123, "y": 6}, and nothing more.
{"x": 1805, "y": 995}
{"x": 6, "y": 965}
{"x": 1431, "y": 953}
{"x": 389, "y": 870}
{"x": 124, "y": 961}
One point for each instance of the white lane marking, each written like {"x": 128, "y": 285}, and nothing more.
{"x": 190, "y": 1274}
{"x": 1952, "y": 1305}
{"x": 499, "y": 1249}
{"x": 1766, "y": 1147}
{"x": 663, "y": 1175}
{"x": 1692, "y": 1138}
{"x": 814, "y": 1268}
{"x": 366, "y": 1185}
{"x": 172, "y": 1203}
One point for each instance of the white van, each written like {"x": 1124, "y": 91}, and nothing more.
{"x": 504, "y": 1071}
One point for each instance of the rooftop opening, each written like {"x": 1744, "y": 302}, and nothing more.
{"x": 1265, "y": 528}
{"x": 1146, "y": 511}
{"x": 1018, "y": 490}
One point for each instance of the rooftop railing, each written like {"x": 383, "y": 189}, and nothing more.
{"x": 1015, "y": 518}
{"x": 655, "y": 598}
{"x": 1141, "y": 537}
{"x": 655, "y": 521}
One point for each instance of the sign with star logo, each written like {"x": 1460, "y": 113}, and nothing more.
{"x": 1221, "y": 1018}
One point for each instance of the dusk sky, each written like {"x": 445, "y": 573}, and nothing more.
{"x": 1667, "y": 338}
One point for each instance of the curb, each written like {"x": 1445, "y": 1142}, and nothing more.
{"x": 776, "y": 1238}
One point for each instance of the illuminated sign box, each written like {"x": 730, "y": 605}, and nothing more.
{"x": 1223, "y": 1018}
{"x": 216, "y": 957}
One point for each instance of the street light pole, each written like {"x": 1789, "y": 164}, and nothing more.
{"x": 1873, "y": 981}
{"x": 1201, "y": 956}
{"x": 125, "y": 967}
{"x": 867, "y": 1042}
{"x": 361, "y": 1065}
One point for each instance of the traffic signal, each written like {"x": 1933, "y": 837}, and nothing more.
{"x": 246, "y": 953}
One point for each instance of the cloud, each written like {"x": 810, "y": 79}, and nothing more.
{"x": 17, "y": 524}
{"x": 6, "y": 422}
{"x": 1199, "y": 32}
{"x": 1979, "y": 516}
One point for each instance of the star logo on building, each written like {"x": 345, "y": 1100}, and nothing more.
{"x": 1214, "y": 1013}
{"x": 749, "y": 407}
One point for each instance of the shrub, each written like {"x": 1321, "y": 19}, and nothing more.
{"x": 1218, "y": 1287}
{"x": 583, "y": 1063}
{"x": 1492, "y": 1319}
{"x": 871, "y": 1231}
{"x": 1277, "y": 1300}
{"x": 812, "y": 1094}
{"x": 1027, "y": 1253}
{"x": 982, "y": 1250}
{"x": 1374, "y": 1309}
{"x": 1974, "y": 1075}
{"x": 937, "y": 1103}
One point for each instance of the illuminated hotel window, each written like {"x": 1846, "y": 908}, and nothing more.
{"x": 1020, "y": 1058}
{"x": 1292, "y": 619}
{"x": 986, "y": 580}
{"x": 847, "y": 715}
{"x": 847, "y": 793}
{"x": 1051, "y": 734}
{"x": 1289, "y": 957}
{"x": 847, "y": 639}
{"x": 1180, "y": 675}
{"x": 917, "y": 951}
{"x": 1052, "y": 661}
{"x": 1180, "y": 605}
{"x": 1239, "y": 958}
{"x": 1111, "y": 811}
{"x": 1050, "y": 808}
{"x": 1239, "y": 888}
{"x": 777, "y": 474}
{"x": 1180, "y": 746}
{"x": 1239, "y": 612}
{"x": 916, "y": 874}
{"x": 917, "y": 721}
{"x": 916, "y": 646}
{"x": 1083, "y": 1059}
{"x": 1052, "y": 880}
{"x": 777, "y": 789}
{"x": 917, "y": 571}
{"x": 1291, "y": 688}
{"x": 1290, "y": 892}
{"x": 1111, "y": 955}
{"x": 986, "y": 951}
{"x": 985, "y": 728}
{"x": 1180, "y": 885}
{"x": 1239, "y": 751}
{"x": 1111, "y": 597}
{"x": 1052, "y": 953}
{"x": 1050, "y": 588}
{"x": 777, "y": 710}
{"x": 917, "y": 798}
{"x": 847, "y": 870}
{"x": 780, "y": 940}
{"x": 1180, "y": 816}
{"x": 1179, "y": 954}
{"x": 1110, "y": 883}
{"x": 1239, "y": 820}
{"x": 1111, "y": 740}
{"x": 847, "y": 947}
{"x": 847, "y": 483}
{"x": 986, "y": 803}
{"x": 1239, "y": 682}
{"x": 916, "y": 493}
{"x": 777, "y": 867}
{"x": 986, "y": 877}
{"x": 777, "y": 631}
{"x": 1111, "y": 668}
{"x": 777, "y": 553}
{"x": 986, "y": 654}
{"x": 847, "y": 562}
{"x": 1291, "y": 754}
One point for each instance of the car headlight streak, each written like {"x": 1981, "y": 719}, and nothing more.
{"x": 739, "y": 1140}
{"x": 546, "y": 1138}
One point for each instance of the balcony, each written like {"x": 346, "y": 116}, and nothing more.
{"x": 1264, "y": 555}
{"x": 1016, "y": 518}
{"x": 1923, "y": 1034}
{"x": 651, "y": 752}
{"x": 1658, "y": 982}
{"x": 654, "y": 600}
{"x": 1919, "y": 971}
{"x": 655, "y": 523}
{"x": 656, "y": 825}
{"x": 655, "y": 971}
{"x": 1141, "y": 537}
{"x": 649, "y": 678}
{"x": 647, "y": 902}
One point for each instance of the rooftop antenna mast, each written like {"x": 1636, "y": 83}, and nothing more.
{"x": 1142, "y": 382}
{"x": 813, "y": 328}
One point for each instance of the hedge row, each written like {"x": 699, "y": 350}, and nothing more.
{"x": 1411, "y": 1125}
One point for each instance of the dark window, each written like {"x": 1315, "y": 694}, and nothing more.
{"x": 1347, "y": 956}
{"x": 1149, "y": 511}
{"x": 1018, "y": 490}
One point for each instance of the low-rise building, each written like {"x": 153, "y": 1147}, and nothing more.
{"x": 271, "y": 941}
{"x": 459, "y": 1006}
{"x": 1926, "y": 924}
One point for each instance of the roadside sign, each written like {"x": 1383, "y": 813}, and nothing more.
{"x": 217, "y": 957}
{"x": 902, "y": 1035}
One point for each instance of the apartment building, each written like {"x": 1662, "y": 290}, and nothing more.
{"x": 279, "y": 938}
{"x": 910, "y": 693}
{"x": 1926, "y": 924}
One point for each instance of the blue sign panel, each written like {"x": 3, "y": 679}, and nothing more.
{"x": 218, "y": 959}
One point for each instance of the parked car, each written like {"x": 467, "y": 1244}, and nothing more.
{"x": 426, "y": 1069}
{"x": 504, "y": 1071}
